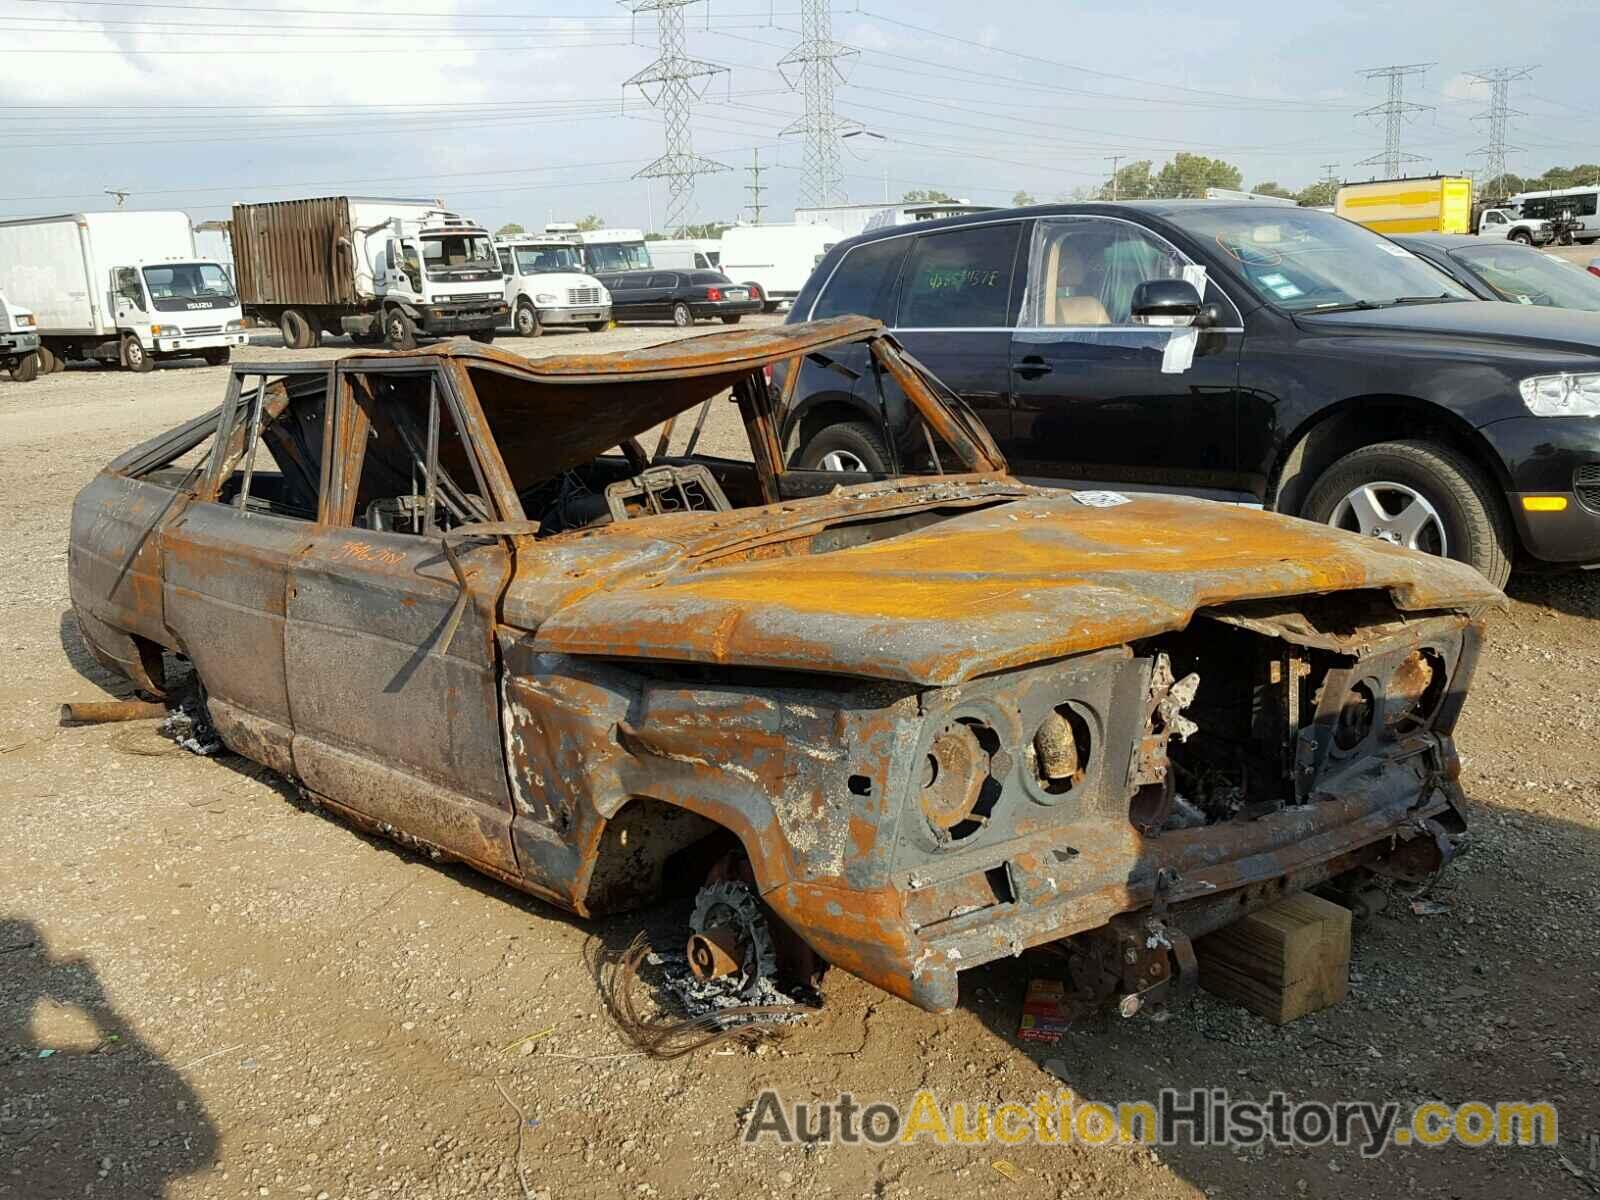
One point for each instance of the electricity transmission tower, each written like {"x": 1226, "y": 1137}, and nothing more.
{"x": 673, "y": 83}
{"x": 1499, "y": 117}
{"x": 815, "y": 63}
{"x": 119, "y": 194}
{"x": 1394, "y": 111}
{"x": 755, "y": 187}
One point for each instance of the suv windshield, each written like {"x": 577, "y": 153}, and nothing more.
{"x": 1305, "y": 261}
{"x": 545, "y": 260}
{"x": 176, "y": 286}
{"x": 459, "y": 255}
{"x": 1526, "y": 276}
{"x": 617, "y": 256}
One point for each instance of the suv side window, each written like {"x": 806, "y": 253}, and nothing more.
{"x": 960, "y": 278}
{"x": 863, "y": 282}
{"x": 1083, "y": 270}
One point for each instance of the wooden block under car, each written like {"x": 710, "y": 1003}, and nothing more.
{"x": 1281, "y": 962}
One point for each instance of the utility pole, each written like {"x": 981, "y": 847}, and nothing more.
{"x": 673, "y": 83}
{"x": 120, "y": 196}
{"x": 1498, "y": 116}
{"x": 755, "y": 188}
{"x": 815, "y": 64}
{"x": 1114, "y": 160}
{"x": 1394, "y": 111}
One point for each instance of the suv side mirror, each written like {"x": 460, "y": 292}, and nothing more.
{"x": 1165, "y": 302}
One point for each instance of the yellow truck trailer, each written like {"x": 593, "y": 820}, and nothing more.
{"x": 1438, "y": 204}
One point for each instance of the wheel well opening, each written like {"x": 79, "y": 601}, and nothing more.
{"x": 817, "y": 418}
{"x": 651, "y": 849}
{"x": 1367, "y": 421}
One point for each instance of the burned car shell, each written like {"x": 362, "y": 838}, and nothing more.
{"x": 947, "y": 717}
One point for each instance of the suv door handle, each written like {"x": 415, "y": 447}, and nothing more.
{"x": 1032, "y": 367}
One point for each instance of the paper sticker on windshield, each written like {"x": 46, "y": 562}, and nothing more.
{"x": 1397, "y": 251}
{"x": 1524, "y": 299}
{"x": 1287, "y": 291}
{"x": 1100, "y": 499}
{"x": 1274, "y": 280}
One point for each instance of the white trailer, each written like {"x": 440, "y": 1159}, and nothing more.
{"x": 124, "y": 287}
{"x": 775, "y": 261}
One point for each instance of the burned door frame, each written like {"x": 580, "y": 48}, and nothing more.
{"x": 225, "y": 576}
{"x": 394, "y": 687}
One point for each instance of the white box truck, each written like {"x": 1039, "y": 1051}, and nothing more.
{"x": 687, "y": 254}
{"x": 19, "y": 341}
{"x": 376, "y": 269}
{"x": 123, "y": 287}
{"x": 774, "y": 261}
{"x": 547, "y": 285}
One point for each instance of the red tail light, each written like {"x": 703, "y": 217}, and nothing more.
{"x": 713, "y": 293}
{"x": 755, "y": 292}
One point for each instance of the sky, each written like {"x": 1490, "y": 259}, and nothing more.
{"x": 514, "y": 110}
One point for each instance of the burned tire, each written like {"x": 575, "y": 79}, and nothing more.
{"x": 298, "y": 331}
{"x": 399, "y": 332}
{"x": 849, "y": 446}
{"x": 682, "y": 317}
{"x": 136, "y": 358}
{"x": 1421, "y": 495}
{"x": 526, "y": 322}
{"x": 26, "y": 369}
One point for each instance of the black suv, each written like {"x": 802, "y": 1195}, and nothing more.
{"x": 1242, "y": 351}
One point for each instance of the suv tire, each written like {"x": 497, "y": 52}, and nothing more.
{"x": 849, "y": 446}
{"x": 1421, "y": 485}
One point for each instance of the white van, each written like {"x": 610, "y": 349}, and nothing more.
{"x": 775, "y": 261}
{"x": 687, "y": 254}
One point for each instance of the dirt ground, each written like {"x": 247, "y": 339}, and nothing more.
{"x": 208, "y": 990}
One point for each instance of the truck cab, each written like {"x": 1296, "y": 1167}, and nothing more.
{"x": 545, "y": 284}
{"x": 1506, "y": 223}
{"x": 19, "y": 341}
{"x": 174, "y": 309}
{"x": 437, "y": 275}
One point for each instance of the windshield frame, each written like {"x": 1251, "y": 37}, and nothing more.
{"x": 227, "y": 299}
{"x": 1277, "y": 283}
{"x": 1562, "y": 271}
{"x": 518, "y": 249}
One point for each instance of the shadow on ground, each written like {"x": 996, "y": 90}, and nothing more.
{"x": 86, "y": 1107}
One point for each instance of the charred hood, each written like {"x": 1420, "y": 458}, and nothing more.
{"x": 1032, "y": 576}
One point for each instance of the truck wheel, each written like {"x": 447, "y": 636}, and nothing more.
{"x": 399, "y": 332}
{"x": 218, "y": 356}
{"x": 848, "y": 446}
{"x": 135, "y": 357}
{"x": 526, "y": 322}
{"x": 26, "y": 369}
{"x": 1520, "y": 235}
{"x": 1420, "y": 495}
{"x": 58, "y": 363}
{"x": 598, "y": 326}
{"x": 484, "y": 336}
{"x": 730, "y": 320}
{"x": 681, "y": 316}
{"x": 48, "y": 362}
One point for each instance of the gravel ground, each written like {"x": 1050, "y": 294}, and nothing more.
{"x": 209, "y": 991}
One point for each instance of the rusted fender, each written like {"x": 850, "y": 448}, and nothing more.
{"x": 1039, "y": 578}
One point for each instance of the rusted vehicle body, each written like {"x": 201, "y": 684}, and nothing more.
{"x": 931, "y": 719}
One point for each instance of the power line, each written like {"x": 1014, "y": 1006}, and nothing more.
{"x": 1498, "y": 116}
{"x": 816, "y": 63}
{"x": 675, "y": 77}
{"x": 1394, "y": 111}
